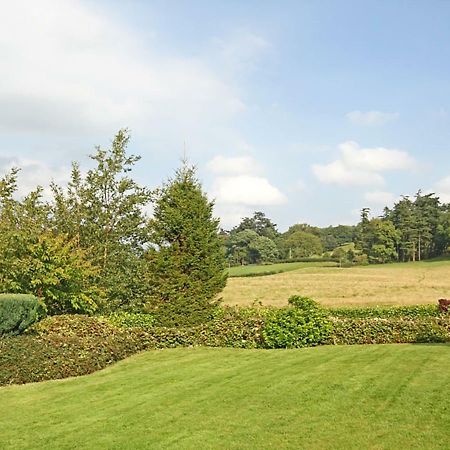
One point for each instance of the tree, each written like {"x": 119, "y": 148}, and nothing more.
{"x": 186, "y": 265}
{"x": 427, "y": 211}
{"x": 259, "y": 223}
{"x": 36, "y": 261}
{"x": 333, "y": 237}
{"x": 377, "y": 238}
{"x": 248, "y": 247}
{"x": 300, "y": 244}
{"x": 104, "y": 213}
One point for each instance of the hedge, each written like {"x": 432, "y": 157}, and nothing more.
{"x": 71, "y": 345}
{"x": 389, "y": 331}
{"x": 18, "y": 312}
{"x": 64, "y": 346}
{"x": 384, "y": 312}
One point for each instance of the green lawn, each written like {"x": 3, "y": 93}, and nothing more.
{"x": 380, "y": 397}
{"x": 240, "y": 271}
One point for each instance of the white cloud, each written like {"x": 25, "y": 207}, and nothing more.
{"x": 69, "y": 69}
{"x": 238, "y": 187}
{"x": 380, "y": 198}
{"x": 338, "y": 173}
{"x": 442, "y": 188}
{"x": 247, "y": 190}
{"x": 34, "y": 173}
{"x": 376, "y": 159}
{"x": 235, "y": 165}
{"x": 362, "y": 166}
{"x": 371, "y": 118}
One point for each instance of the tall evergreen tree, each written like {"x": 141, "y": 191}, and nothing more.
{"x": 186, "y": 266}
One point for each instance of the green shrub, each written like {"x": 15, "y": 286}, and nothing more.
{"x": 389, "y": 330}
{"x": 305, "y": 304}
{"x": 130, "y": 320}
{"x": 18, "y": 312}
{"x": 304, "y": 324}
{"x": 383, "y": 312}
{"x": 64, "y": 346}
{"x": 230, "y": 327}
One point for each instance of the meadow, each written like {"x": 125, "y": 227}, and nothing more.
{"x": 344, "y": 397}
{"x": 263, "y": 269}
{"x": 389, "y": 284}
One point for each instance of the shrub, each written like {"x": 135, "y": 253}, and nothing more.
{"x": 130, "y": 320}
{"x": 383, "y": 312}
{"x": 304, "y": 324}
{"x": 305, "y": 304}
{"x": 389, "y": 330}
{"x": 72, "y": 345}
{"x": 230, "y": 327}
{"x": 18, "y": 312}
{"x": 65, "y": 346}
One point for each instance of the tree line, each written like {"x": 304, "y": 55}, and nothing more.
{"x": 414, "y": 229}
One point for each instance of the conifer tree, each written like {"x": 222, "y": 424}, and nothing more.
{"x": 187, "y": 263}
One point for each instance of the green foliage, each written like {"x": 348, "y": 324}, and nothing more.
{"x": 372, "y": 330}
{"x": 36, "y": 260}
{"x": 252, "y": 241}
{"x": 248, "y": 247}
{"x": 54, "y": 270}
{"x": 378, "y": 239}
{"x": 300, "y": 244}
{"x": 64, "y": 346}
{"x": 70, "y": 345}
{"x": 260, "y": 224}
{"x": 103, "y": 213}
{"x": 336, "y": 236}
{"x": 186, "y": 269}
{"x": 18, "y": 312}
{"x": 304, "y": 304}
{"x": 303, "y": 325}
{"x": 386, "y": 312}
{"x": 131, "y": 320}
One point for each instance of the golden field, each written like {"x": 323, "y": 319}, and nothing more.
{"x": 389, "y": 284}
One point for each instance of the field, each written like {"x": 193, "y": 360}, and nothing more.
{"x": 380, "y": 397}
{"x": 240, "y": 271}
{"x": 390, "y": 284}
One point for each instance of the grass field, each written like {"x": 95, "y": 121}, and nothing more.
{"x": 239, "y": 271}
{"x": 389, "y": 284}
{"x": 349, "y": 397}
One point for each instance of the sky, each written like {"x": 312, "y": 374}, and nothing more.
{"x": 306, "y": 110}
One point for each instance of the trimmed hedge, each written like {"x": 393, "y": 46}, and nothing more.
{"x": 18, "y": 312}
{"x": 71, "y": 345}
{"x": 385, "y": 312}
{"x": 64, "y": 346}
{"x": 130, "y": 320}
{"x": 389, "y": 331}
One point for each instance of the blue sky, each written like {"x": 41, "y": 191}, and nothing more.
{"x": 307, "y": 110}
